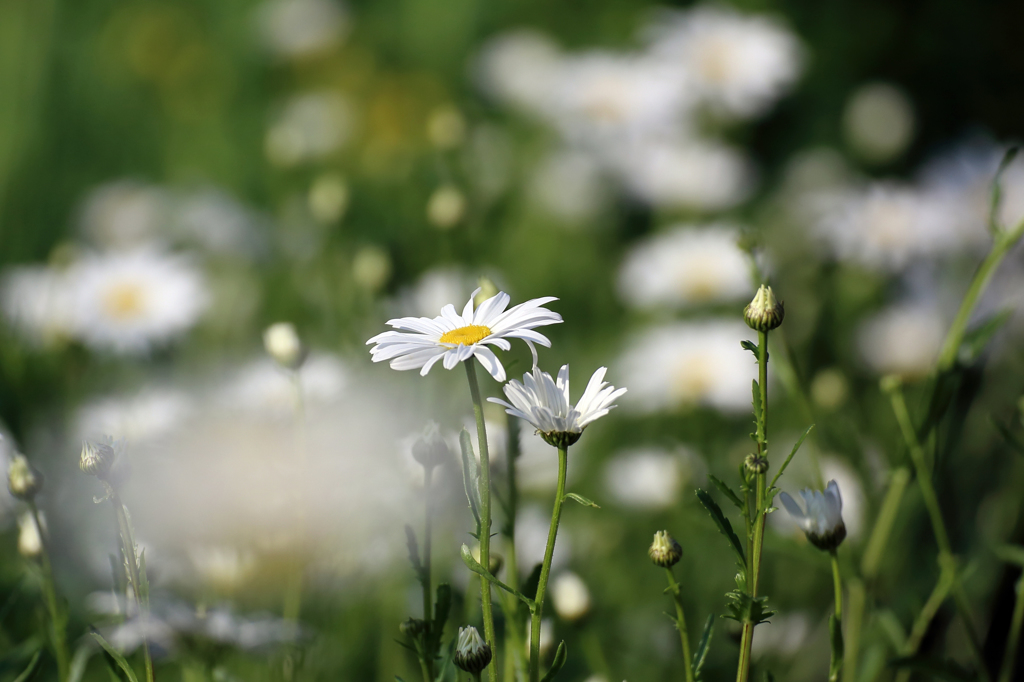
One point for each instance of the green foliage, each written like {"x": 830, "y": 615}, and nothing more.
{"x": 586, "y": 502}
{"x": 724, "y": 526}
{"x": 113, "y": 653}
{"x": 556, "y": 665}
{"x": 746, "y": 609}
{"x": 703, "y": 646}
{"x": 835, "y": 636}
{"x": 30, "y": 670}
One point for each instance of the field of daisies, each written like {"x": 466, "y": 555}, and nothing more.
{"x": 513, "y": 340}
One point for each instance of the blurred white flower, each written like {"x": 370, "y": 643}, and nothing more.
{"x": 328, "y": 198}
{"x": 30, "y": 542}
{"x": 124, "y": 214}
{"x": 309, "y": 127}
{"x": 519, "y": 68}
{"x": 784, "y": 635}
{"x": 282, "y": 343}
{"x": 262, "y": 388}
{"x": 371, "y": 267}
{"x": 570, "y": 596}
{"x": 644, "y": 478}
{"x": 545, "y": 404}
{"x": 878, "y": 121}
{"x": 38, "y": 302}
{"x": 421, "y": 342}
{"x": 740, "y": 64}
{"x": 820, "y": 517}
{"x": 148, "y": 415}
{"x": 446, "y": 207}
{"x": 687, "y": 364}
{"x": 127, "y": 302}
{"x": 298, "y": 28}
{"x": 214, "y": 220}
{"x": 570, "y": 185}
{"x": 885, "y": 225}
{"x": 222, "y": 567}
{"x": 602, "y": 97}
{"x": 904, "y": 339}
{"x": 697, "y": 174}
{"x": 686, "y": 265}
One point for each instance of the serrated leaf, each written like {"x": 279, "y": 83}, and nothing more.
{"x": 723, "y": 524}
{"x": 556, "y": 665}
{"x": 749, "y": 345}
{"x": 792, "y": 453}
{"x": 703, "y": 647}
{"x": 30, "y": 669}
{"x": 727, "y": 491}
{"x": 470, "y": 475}
{"x": 755, "y": 390}
{"x": 835, "y": 632}
{"x": 746, "y": 609}
{"x": 977, "y": 338}
{"x": 582, "y": 500}
{"x": 116, "y": 655}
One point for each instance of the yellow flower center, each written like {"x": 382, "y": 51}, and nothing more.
{"x": 124, "y": 300}
{"x": 466, "y": 336}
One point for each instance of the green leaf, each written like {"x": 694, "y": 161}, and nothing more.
{"x": 29, "y": 670}
{"x": 757, "y": 405}
{"x": 835, "y": 631}
{"x": 556, "y": 665}
{"x": 116, "y": 655}
{"x": 474, "y": 565}
{"x": 997, "y": 191}
{"x": 746, "y": 609}
{"x": 727, "y": 491}
{"x": 582, "y": 500}
{"x": 796, "y": 446}
{"x": 470, "y": 476}
{"x": 749, "y": 345}
{"x": 978, "y": 337}
{"x": 1011, "y": 554}
{"x": 143, "y": 579}
{"x": 942, "y": 668}
{"x": 703, "y": 646}
{"x": 723, "y": 524}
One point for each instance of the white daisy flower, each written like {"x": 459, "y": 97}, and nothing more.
{"x": 822, "y": 520}
{"x": 300, "y": 28}
{"x": 904, "y": 339}
{"x": 686, "y": 266}
{"x": 421, "y": 341}
{"x": 544, "y": 403}
{"x": 129, "y": 301}
{"x": 38, "y": 302}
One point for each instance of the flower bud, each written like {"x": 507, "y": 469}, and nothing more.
{"x": 764, "y": 313}
{"x": 413, "y": 627}
{"x": 30, "y": 542}
{"x": 472, "y": 653}
{"x": 560, "y": 439}
{"x": 755, "y": 464}
{"x": 430, "y": 449}
{"x": 283, "y": 344}
{"x": 665, "y": 551}
{"x": 23, "y": 480}
{"x": 97, "y": 458}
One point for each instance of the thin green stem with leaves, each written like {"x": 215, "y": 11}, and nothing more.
{"x": 760, "y": 505}
{"x": 545, "y": 568}
{"x": 128, "y": 548}
{"x": 485, "y": 516}
{"x": 58, "y": 616}
{"x": 684, "y": 636}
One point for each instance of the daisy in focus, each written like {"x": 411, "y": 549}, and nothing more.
{"x": 544, "y": 403}
{"x": 421, "y": 341}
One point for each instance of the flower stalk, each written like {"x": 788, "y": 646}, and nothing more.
{"x": 58, "y": 616}
{"x": 485, "y": 513}
{"x": 684, "y": 636}
{"x": 545, "y": 569}
{"x": 836, "y": 624}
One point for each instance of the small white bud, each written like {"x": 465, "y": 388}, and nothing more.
{"x": 472, "y": 653}
{"x": 764, "y": 313}
{"x": 284, "y": 346}
{"x": 30, "y": 542}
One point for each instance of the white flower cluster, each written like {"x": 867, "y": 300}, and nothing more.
{"x": 635, "y": 114}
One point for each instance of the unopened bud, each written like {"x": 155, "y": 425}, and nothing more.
{"x": 97, "y": 458}
{"x": 665, "y": 551}
{"x": 284, "y": 346}
{"x": 413, "y": 627}
{"x": 430, "y": 449}
{"x": 764, "y": 313}
{"x": 23, "y": 480}
{"x": 472, "y": 653}
{"x": 755, "y": 464}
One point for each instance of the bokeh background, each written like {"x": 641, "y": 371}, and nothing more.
{"x": 177, "y": 175}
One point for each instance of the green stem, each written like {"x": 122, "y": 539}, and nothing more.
{"x": 485, "y": 516}
{"x": 837, "y": 644}
{"x": 545, "y": 569}
{"x": 854, "y": 622}
{"x": 924, "y": 618}
{"x": 754, "y": 560}
{"x": 58, "y": 620}
{"x": 884, "y": 523}
{"x": 837, "y": 584}
{"x": 931, "y": 501}
{"x": 131, "y": 562}
{"x": 514, "y": 638}
{"x": 684, "y": 636}
{"x": 1004, "y": 241}
{"x": 1010, "y": 655}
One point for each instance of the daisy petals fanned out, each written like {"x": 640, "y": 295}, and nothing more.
{"x": 420, "y": 342}
{"x": 544, "y": 402}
